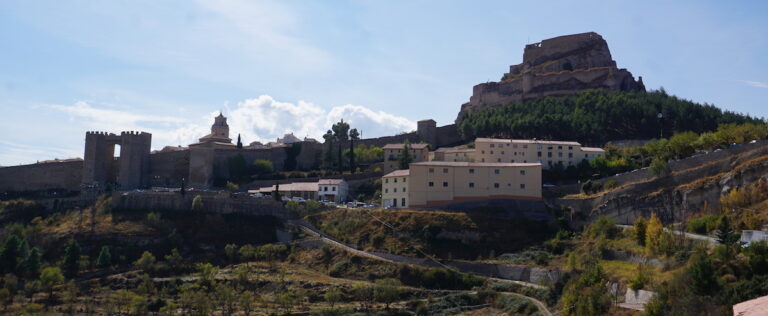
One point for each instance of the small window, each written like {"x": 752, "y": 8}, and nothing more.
{"x": 402, "y": 202}
{"x": 395, "y": 180}
{"x": 498, "y": 159}
{"x": 526, "y": 146}
{"x": 522, "y": 172}
{"x": 549, "y": 154}
{"x": 445, "y": 184}
{"x": 570, "y": 147}
{"x": 491, "y": 152}
{"x": 482, "y": 151}
{"x": 539, "y": 154}
{"x": 386, "y": 190}
{"x": 538, "y": 146}
{"x": 502, "y": 152}
{"x": 514, "y": 146}
{"x": 394, "y": 190}
{"x": 471, "y": 170}
{"x": 445, "y": 170}
{"x": 431, "y": 184}
{"x": 522, "y": 186}
{"x": 496, "y": 185}
{"x": 483, "y": 159}
{"x": 493, "y": 145}
{"x": 334, "y": 188}
{"x": 431, "y": 170}
{"x": 471, "y": 184}
{"x": 403, "y": 189}
{"x": 559, "y": 147}
{"x": 570, "y": 155}
{"x": 559, "y": 154}
{"x": 496, "y": 171}
{"x": 385, "y": 181}
{"x": 404, "y": 179}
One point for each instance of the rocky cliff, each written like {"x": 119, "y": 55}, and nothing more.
{"x": 557, "y": 66}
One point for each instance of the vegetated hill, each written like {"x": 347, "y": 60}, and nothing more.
{"x": 597, "y": 116}
{"x": 686, "y": 187}
{"x": 443, "y": 234}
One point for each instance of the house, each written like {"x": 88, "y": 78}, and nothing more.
{"x": 454, "y": 154}
{"x": 547, "y": 153}
{"x": 304, "y": 190}
{"x": 419, "y": 152}
{"x": 438, "y": 183}
{"x": 334, "y": 190}
{"x": 394, "y": 189}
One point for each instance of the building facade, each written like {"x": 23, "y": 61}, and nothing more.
{"x": 419, "y": 152}
{"x": 438, "y": 183}
{"x": 394, "y": 189}
{"x": 547, "y": 153}
{"x": 332, "y": 190}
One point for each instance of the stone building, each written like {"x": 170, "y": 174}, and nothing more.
{"x": 419, "y": 152}
{"x": 547, "y": 153}
{"x": 433, "y": 184}
{"x": 129, "y": 171}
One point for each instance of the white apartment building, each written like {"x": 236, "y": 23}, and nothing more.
{"x": 394, "y": 189}
{"x": 547, "y": 153}
{"x": 334, "y": 190}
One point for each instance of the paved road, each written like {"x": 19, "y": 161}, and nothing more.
{"x": 426, "y": 262}
{"x": 688, "y": 235}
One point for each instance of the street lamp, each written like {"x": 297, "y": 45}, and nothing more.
{"x": 661, "y": 126}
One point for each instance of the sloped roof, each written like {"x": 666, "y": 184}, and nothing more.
{"x": 398, "y": 173}
{"x": 754, "y": 307}
{"x": 401, "y": 146}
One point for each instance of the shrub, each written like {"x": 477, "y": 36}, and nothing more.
{"x": 703, "y": 225}
{"x": 610, "y": 184}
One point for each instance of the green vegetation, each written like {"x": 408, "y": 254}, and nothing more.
{"x": 404, "y": 158}
{"x": 596, "y": 116}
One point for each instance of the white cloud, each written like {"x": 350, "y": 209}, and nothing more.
{"x": 756, "y": 84}
{"x": 259, "y": 119}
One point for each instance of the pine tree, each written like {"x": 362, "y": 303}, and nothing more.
{"x": 353, "y": 136}
{"x": 72, "y": 258}
{"x": 405, "y": 158}
{"x": 239, "y": 143}
{"x": 640, "y": 226}
{"x": 724, "y": 230}
{"x": 10, "y": 254}
{"x": 32, "y": 262}
{"x": 105, "y": 258}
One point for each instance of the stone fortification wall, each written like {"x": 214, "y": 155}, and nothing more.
{"x": 212, "y": 202}
{"x": 42, "y": 176}
{"x": 437, "y": 137}
{"x": 558, "y": 66}
{"x": 166, "y": 169}
{"x": 412, "y": 137}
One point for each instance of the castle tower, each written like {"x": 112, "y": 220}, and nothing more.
{"x": 427, "y": 130}
{"x": 100, "y": 166}
{"x": 219, "y": 131}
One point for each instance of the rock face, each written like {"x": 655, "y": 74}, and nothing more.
{"x": 557, "y": 66}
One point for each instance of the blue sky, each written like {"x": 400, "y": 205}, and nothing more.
{"x": 273, "y": 67}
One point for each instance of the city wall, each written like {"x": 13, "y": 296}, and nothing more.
{"x": 42, "y": 176}
{"x": 221, "y": 203}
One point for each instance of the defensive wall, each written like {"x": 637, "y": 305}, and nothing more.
{"x": 221, "y": 203}
{"x": 427, "y": 132}
{"x": 42, "y": 176}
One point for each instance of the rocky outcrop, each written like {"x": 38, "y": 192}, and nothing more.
{"x": 557, "y": 66}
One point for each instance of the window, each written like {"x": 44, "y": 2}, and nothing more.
{"x": 404, "y": 179}
{"x": 445, "y": 170}
{"x": 394, "y": 190}
{"x": 514, "y": 146}
{"x": 522, "y": 172}
{"x": 493, "y": 145}
{"x": 522, "y": 186}
{"x": 431, "y": 170}
{"x": 471, "y": 170}
{"x": 491, "y": 152}
{"x": 538, "y": 146}
{"x": 496, "y": 171}
{"x": 445, "y": 184}
{"x": 385, "y": 181}
{"x": 550, "y": 147}
{"x": 570, "y": 155}
{"x": 471, "y": 184}
{"x": 325, "y": 189}
{"x": 549, "y": 154}
{"x": 559, "y": 154}
{"x": 402, "y": 202}
{"x": 586, "y": 155}
{"x": 334, "y": 188}
{"x": 498, "y": 159}
{"x": 395, "y": 180}
{"x": 559, "y": 147}
{"x": 482, "y": 151}
{"x": 570, "y": 147}
{"x": 539, "y": 154}
{"x": 526, "y": 146}
{"x": 483, "y": 160}
{"x": 431, "y": 184}
{"x": 502, "y": 152}
{"x": 403, "y": 189}
{"x": 386, "y": 190}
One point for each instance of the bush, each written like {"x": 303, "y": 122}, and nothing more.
{"x": 610, "y": 184}
{"x": 703, "y": 225}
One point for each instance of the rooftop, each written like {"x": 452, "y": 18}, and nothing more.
{"x": 592, "y": 149}
{"x": 474, "y": 164}
{"x": 754, "y": 307}
{"x": 455, "y": 150}
{"x": 330, "y": 181}
{"x": 525, "y": 141}
{"x": 398, "y": 173}
{"x": 295, "y": 186}
{"x": 401, "y": 146}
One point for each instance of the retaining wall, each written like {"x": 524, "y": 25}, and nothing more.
{"x": 65, "y": 175}
{"x": 221, "y": 203}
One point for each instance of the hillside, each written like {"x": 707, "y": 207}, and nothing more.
{"x": 596, "y": 116}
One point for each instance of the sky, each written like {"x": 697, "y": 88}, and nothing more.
{"x": 274, "y": 67}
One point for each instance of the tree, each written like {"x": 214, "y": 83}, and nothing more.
{"x": 724, "y": 231}
{"x": 32, "y": 263}
{"x": 639, "y": 232}
{"x": 239, "y": 143}
{"x": 105, "y": 258}
{"x": 238, "y": 168}
{"x": 232, "y": 187}
{"x": 262, "y": 168}
{"x": 328, "y": 149}
{"x": 659, "y": 167}
{"x": 183, "y": 189}
{"x": 363, "y": 293}
{"x": 703, "y": 274}
{"x": 340, "y": 135}
{"x": 70, "y": 296}
{"x": 332, "y": 296}
{"x": 197, "y": 204}
{"x": 404, "y": 158}
{"x": 49, "y": 278}
{"x": 174, "y": 259}
{"x": 10, "y": 255}
{"x": 276, "y": 194}
{"x": 387, "y": 291}
{"x": 587, "y": 294}
{"x": 72, "y": 258}
{"x": 231, "y": 251}
{"x": 353, "y": 136}
{"x": 146, "y": 262}
{"x": 653, "y": 232}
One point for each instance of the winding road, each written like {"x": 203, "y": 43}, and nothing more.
{"x": 423, "y": 262}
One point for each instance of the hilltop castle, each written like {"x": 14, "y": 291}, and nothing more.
{"x": 559, "y": 66}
